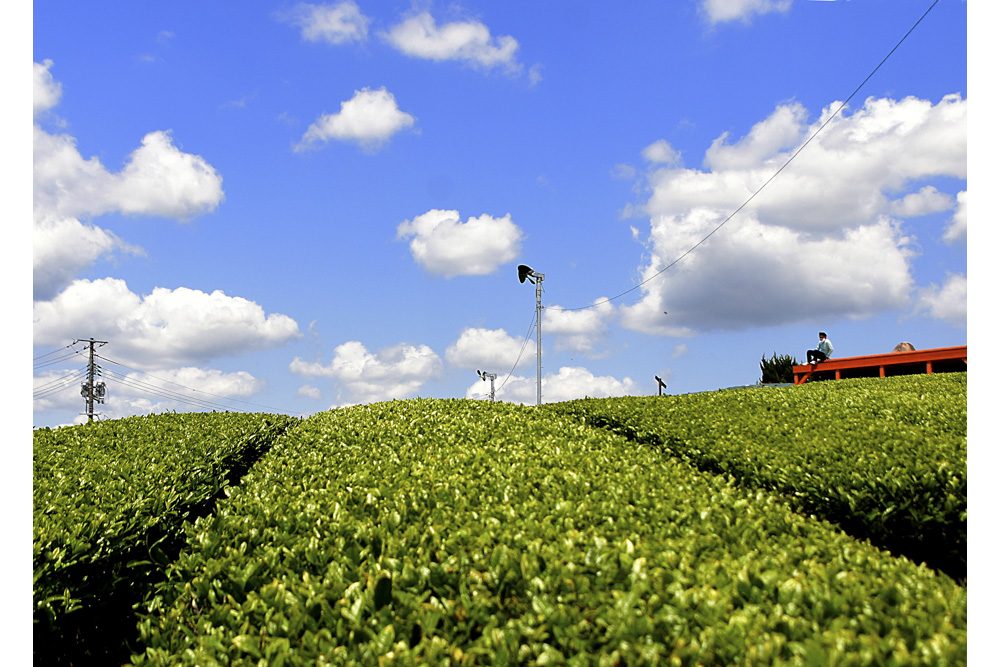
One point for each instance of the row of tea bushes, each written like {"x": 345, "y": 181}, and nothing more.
{"x": 109, "y": 495}
{"x": 459, "y": 533}
{"x": 884, "y": 458}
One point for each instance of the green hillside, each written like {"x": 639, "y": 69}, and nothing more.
{"x": 679, "y": 530}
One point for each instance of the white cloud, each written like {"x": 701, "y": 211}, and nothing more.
{"x": 468, "y": 41}
{"x": 309, "y": 391}
{"x": 661, "y": 152}
{"x": 623, "y": 172}
{"x": 443, "y": 244}
{"x": 46, "y": 90}
{"x": 491, "y": 350}
{"x": 158, "y": 179}
{"x": 949, "y": 302}
{"x": 370, "y": 118}
{"x": 205, "y": 380}
{"x": 161, "y": 330}
{"x": 927, "y": 200}
{"x": 959, "y": 227}
{"x": 782, "y": 130}
{"x": 816, "y": 239}
{"x": 569, "y": 383}
{"x": 334, "y": 23}
{"x": 63, "y": 247}
{"x": 578, "y": 330}
{"x": 535, "y": 74}
{"x": 760, "y": 275}
{"x": 718, "y": 11}
{"x": 134, "y": 393}
{"x": 395, "y": 372}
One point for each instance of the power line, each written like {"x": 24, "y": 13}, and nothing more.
{"x": 57, "y": 385}
{"x": 54, "y": 361}
{"x": 207, "y": 393}
{"x": 44, "y": 386}
{"x": 42, "y": 356}
{"x": 773, "y": 176}
{"x": 527, "y": 337}
{"x": 160, "y": 392}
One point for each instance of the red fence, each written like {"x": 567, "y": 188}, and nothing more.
{"x": 937, "y": 360}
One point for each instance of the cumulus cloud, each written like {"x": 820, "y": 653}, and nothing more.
{"x": 782, "y": 130}
{"x": 923, "y": 202}
{"x": 718, "y": 11}
{"x": 820, "y": 236}
{"x": 491, "y": 350}
{"x": 63, "y": 247}
{"x": 370, "y": 118}
{"x": 309, "y": 391}
{"x": 661, "y": 152}
{"x": 948, "y": 302}
{"x": 158, "y": 179}
{"x": 338, "y": 23}
{"x": 209, "y": 381}
{"x": 135, "y": 393}
{"x": 569, "y": 383}
{"x": 959, "y": 226}
{"x": 46, "y": 90}
{"x": 579, "y": 330}
{"x": 467, "y": 41}
{"x": 395, "y": 372}
{"x": 164, "y": 329}
{"x": 442, "y": 243}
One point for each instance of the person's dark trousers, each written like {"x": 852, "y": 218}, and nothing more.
{"x": 812, "y": 356}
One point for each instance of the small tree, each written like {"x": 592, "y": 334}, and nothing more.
{"x": 777, "y": 369}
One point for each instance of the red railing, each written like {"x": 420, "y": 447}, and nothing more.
{"x": 939, "y": 359}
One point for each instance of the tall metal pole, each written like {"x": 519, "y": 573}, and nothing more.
{"x": 539, "y": 277}
{"x": 525, "y": 272}
{"x": 483, "y": 375}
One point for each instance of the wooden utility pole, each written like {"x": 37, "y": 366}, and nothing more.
{"x": 88, "y": 390}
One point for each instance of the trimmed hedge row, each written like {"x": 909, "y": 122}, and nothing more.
{"x": 109, "y": 497}
{"x": 884, "y": 458}
{"x": 458, "y": 533}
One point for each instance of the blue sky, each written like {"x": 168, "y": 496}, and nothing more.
{"x": 289, "y": 207}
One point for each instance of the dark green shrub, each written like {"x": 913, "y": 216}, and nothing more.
{"x": 777, "y": 369}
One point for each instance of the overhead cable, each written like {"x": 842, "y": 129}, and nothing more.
{"x": 160, "y": 392}
{"x": 55, "y": 386}
{"x": 207, "y": 393}
{"x": 768, "y": 181}
{"x": 47, "y": 354}
{"x": 527, "y": 337}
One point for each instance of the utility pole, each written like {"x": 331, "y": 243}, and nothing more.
{"x": 525, "y": 272}
{"x": 88, "y": 390}
{"x": 538, "y": 346}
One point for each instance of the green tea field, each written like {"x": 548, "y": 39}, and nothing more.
{"x": 814, "y": 525}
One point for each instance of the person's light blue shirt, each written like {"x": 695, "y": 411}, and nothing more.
{"x": 826, "y": 347}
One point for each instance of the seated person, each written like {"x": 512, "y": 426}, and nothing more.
{"x": 822, "y": 352}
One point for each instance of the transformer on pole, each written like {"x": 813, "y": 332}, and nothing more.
{"x": 92, "y": 392}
